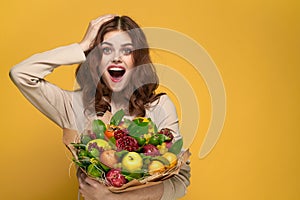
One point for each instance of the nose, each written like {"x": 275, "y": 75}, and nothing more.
{"x": 117, "y": 59}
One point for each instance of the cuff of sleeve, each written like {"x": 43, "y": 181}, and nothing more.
{"x": 169, "y": 190}
{"x": 76, "y": 52}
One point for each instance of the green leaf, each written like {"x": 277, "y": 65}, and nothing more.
{"x": 120, "y": 154}
{"x": 112, "y": 141}
{"x": 165, "y": 138}
{"x": 84, "y": 162}
{"x": 79, "y": 164}
{"x": 127, "y": 123}
{"x": 79, "y": 145}
{"x": 104, "y": 167}
{"x": 129, "y": 178}
{"x": 83, "y": 153}
{"x": 136, "y": 130}
{"x": 161, "y": 159}
{"x": 155, "y": 128}
{"x": 93, "y": 171}
{"x": 133, "y": 175}
{"x": 176, "y": 147}
{"x": 117, "y": 117}
{"x": 146, "y": 162}
{"x": 99, "y": 128}
{"x": 140, "y": 122}
{"x": 94, "y": 152}
{"x": 85, "y": 139}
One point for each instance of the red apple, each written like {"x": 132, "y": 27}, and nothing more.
{"x": 150, "y": 150}
{"x": 109, "y": 158}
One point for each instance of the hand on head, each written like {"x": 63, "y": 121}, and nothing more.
{"x": 93, "y": 29}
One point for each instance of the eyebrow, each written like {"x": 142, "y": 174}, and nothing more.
{"x": 110, "y": 44}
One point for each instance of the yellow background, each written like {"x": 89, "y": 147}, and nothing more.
{"x": 256, "y": 47}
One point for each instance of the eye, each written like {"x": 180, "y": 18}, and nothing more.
{"x": 126, "y": 51}
{"x": 107, "y": 50}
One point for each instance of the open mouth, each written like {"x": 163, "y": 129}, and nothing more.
{"x": 116, "y": 72}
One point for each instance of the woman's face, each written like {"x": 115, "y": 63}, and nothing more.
{"x": 117, "y": 60}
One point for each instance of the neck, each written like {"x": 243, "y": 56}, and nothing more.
{"x": 119, "y": 101}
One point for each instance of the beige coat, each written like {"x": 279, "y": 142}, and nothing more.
{"x": 65, "y": 108}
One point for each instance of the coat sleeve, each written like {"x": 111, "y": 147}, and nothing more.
{"x": 176, "y": 187}
{"x": 165, "y": 116}
{"x": 51, "y": 100}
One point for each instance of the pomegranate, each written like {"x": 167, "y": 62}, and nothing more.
{"x": 167, "y": 132}
{"x": 150, "y": 150}
{"x": 119, "y": 133}
{"x": 127, "y": 143}
{"x": 115, "y": 178}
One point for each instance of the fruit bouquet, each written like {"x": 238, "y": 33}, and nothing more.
{"x": 126, "y": 153}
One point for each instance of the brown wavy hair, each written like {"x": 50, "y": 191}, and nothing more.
{"x": 144, "y": 80}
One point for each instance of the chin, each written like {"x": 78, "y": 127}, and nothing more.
{"x": 119, "y": 87}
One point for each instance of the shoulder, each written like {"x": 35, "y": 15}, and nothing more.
{"x": 162, "y": 106}
{"x": 163, "y": 113}
{"x": 162, "y": 101}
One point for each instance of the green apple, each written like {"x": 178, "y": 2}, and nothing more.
{"x": 132, "y": 162}
{"x": 100, "y": 143}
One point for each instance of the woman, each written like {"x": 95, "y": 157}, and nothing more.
{"x": 115, "y": 72}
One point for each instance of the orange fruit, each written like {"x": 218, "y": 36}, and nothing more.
{"x": 109, "y": 133}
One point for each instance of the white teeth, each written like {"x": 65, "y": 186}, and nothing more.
{"x": 116, "y": 69}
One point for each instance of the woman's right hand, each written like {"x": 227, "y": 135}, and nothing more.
{"x": 92, "y": 31}
{"x": 94, "y": 190}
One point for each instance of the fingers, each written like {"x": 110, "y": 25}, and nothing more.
{"x": 84, "y": 181}
{"x": 97, "y": 23}
{"x": 91, "y": 182}
{"x": 103, "y": 18}
{"x": 92, "y": 31}
{"x": 80, "y": 174}
{"x": 89, "y": 188}
{"x": 81, "y": 179}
